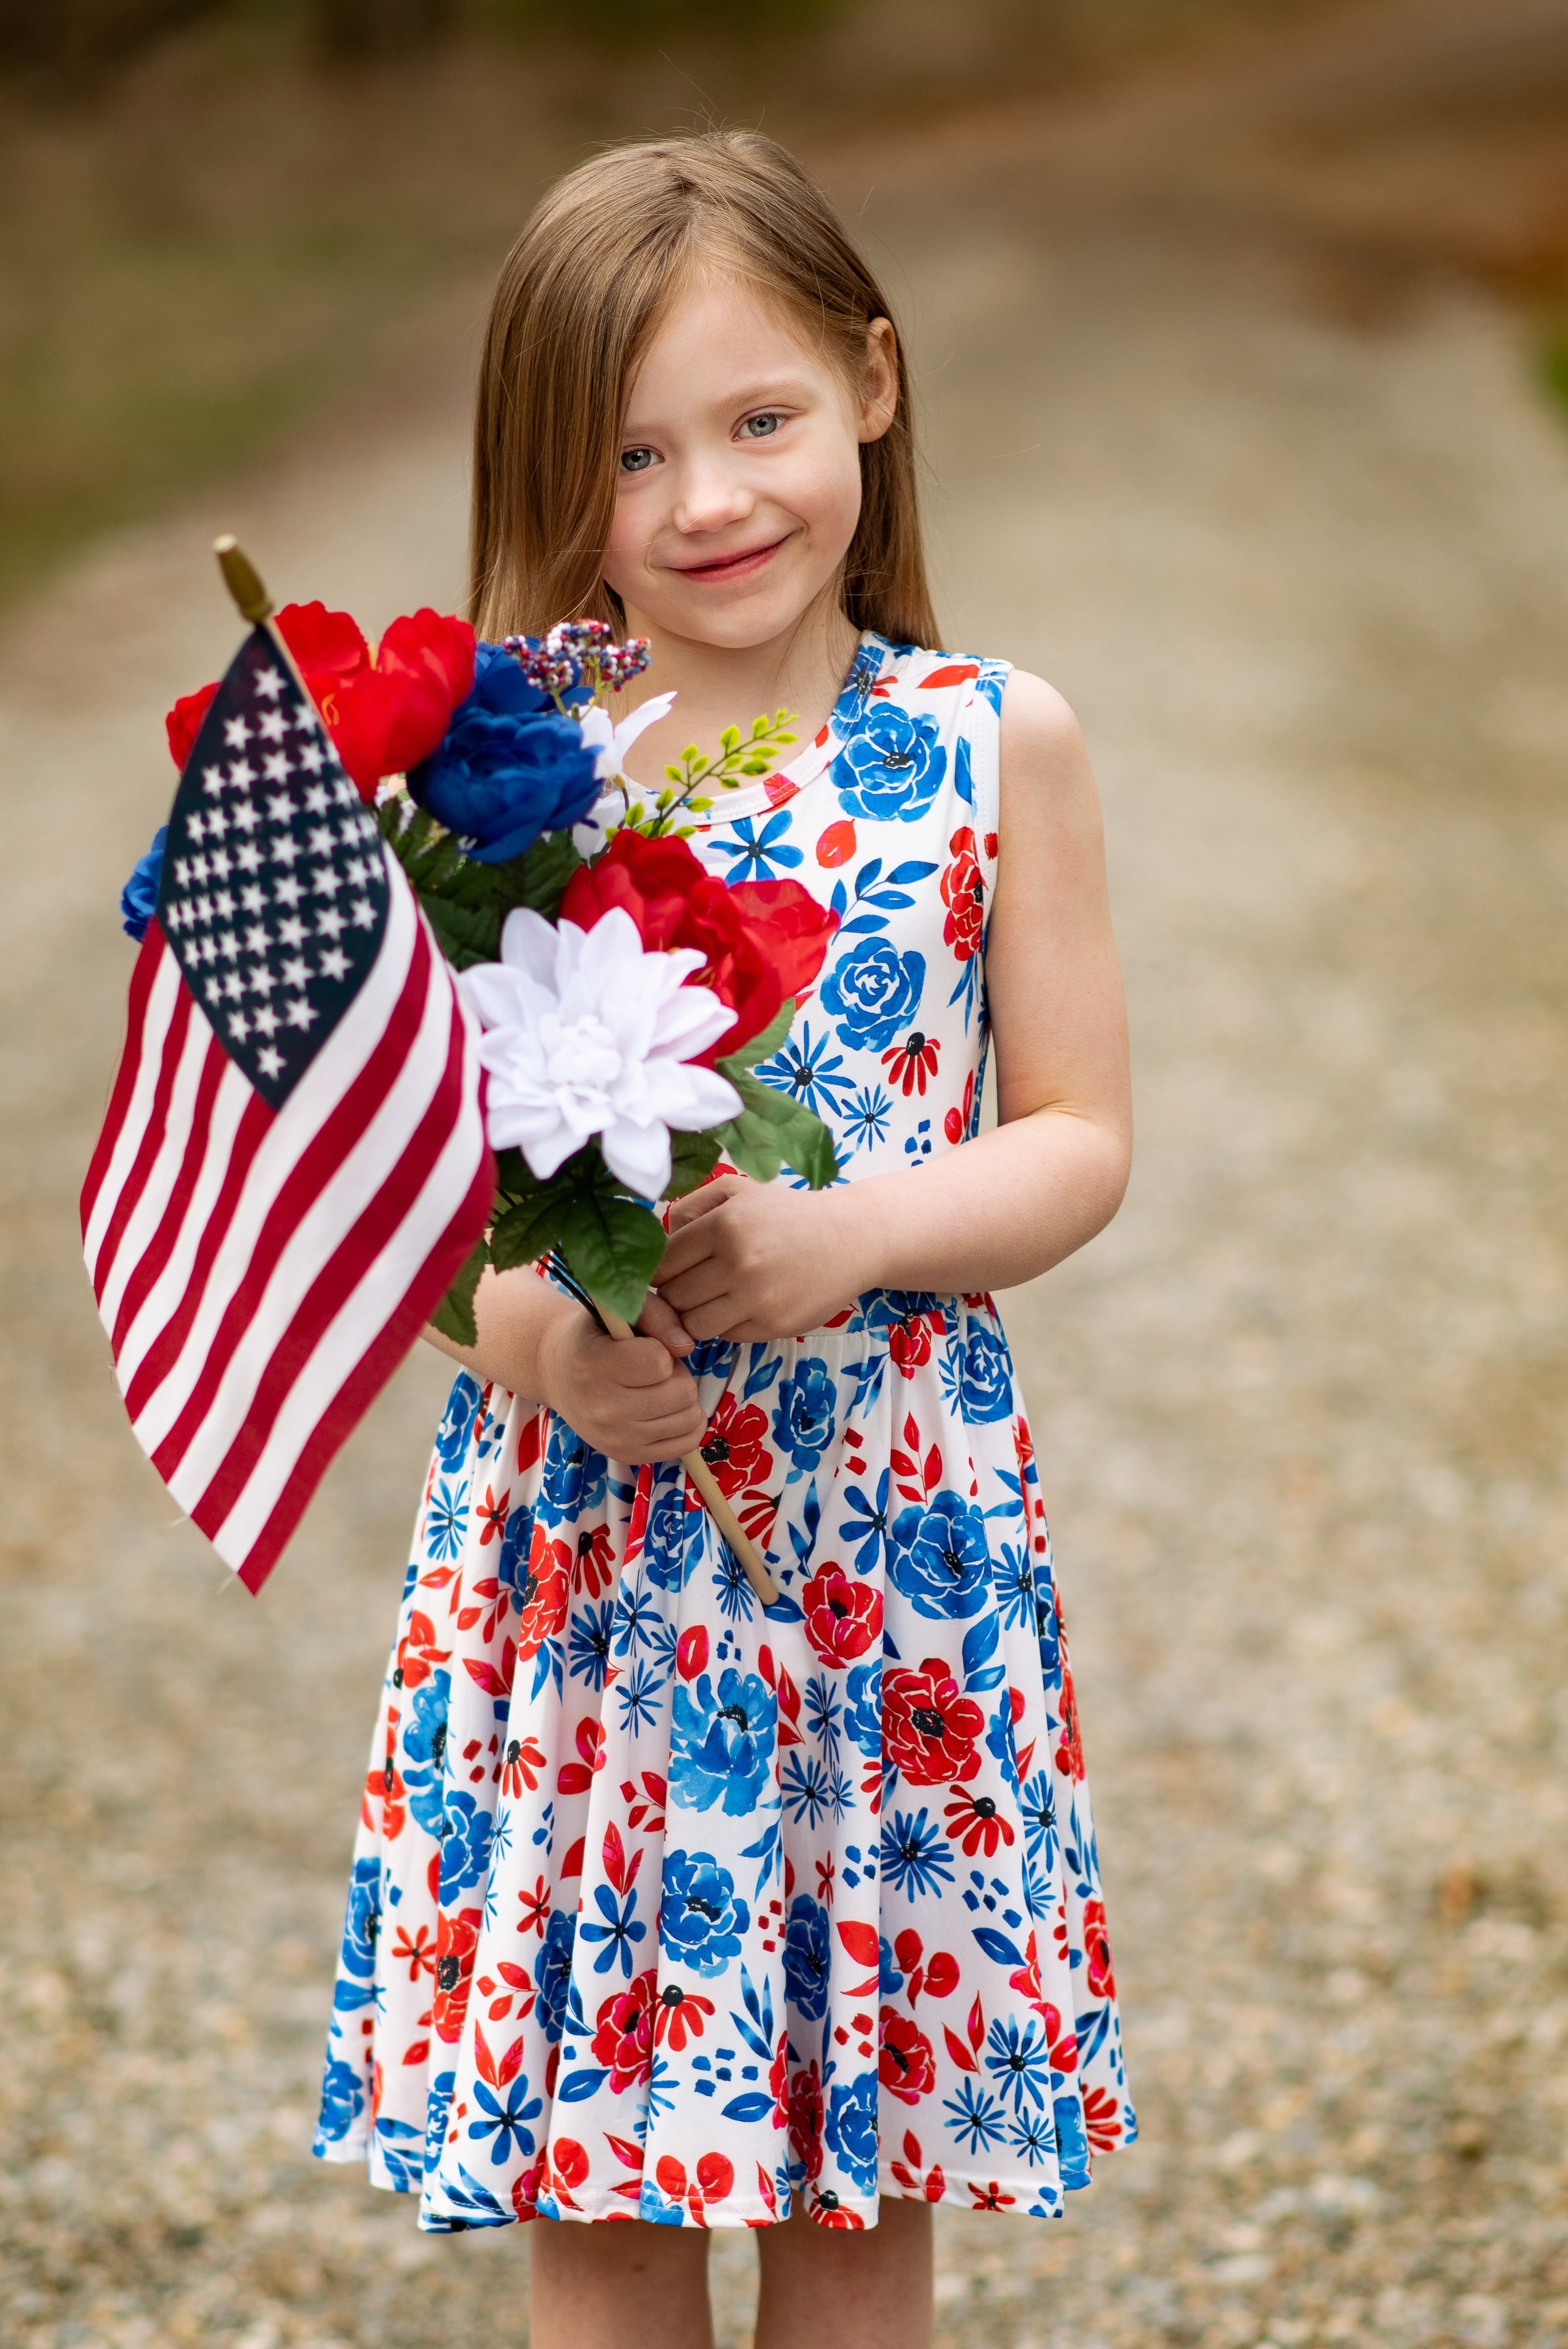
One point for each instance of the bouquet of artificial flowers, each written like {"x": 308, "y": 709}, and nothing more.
{"x": 625, "y": 994}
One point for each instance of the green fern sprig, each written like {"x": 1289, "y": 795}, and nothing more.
{"x": 690, "y": 781}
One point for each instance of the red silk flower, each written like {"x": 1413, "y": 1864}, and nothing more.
{"x": 384, "y": 714}
{"x": 760, "y": 941}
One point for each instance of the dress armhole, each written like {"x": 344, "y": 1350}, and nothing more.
{"x": 985, "y": 719}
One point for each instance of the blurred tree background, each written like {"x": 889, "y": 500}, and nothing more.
{"x": 220, "y": 216}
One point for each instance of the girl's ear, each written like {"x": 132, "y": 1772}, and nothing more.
{"x": 878, "y": 397}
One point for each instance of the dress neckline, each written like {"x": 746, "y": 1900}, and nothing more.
{"x": 787, "y": 784}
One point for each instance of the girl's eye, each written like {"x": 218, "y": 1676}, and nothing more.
{"x": 759, "y": 427}
{"x": 635, "y": 461}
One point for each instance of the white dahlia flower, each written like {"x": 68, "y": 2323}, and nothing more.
{"x": 585, "y": 1034}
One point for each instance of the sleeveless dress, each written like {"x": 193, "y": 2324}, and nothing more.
{"x": 665, "y": 1907}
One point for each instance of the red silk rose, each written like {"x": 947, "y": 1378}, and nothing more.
{"x": 760, "y": 941}
{"x": 385, "y": 714}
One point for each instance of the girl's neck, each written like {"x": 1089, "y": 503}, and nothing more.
{"x": 803, "y": 671}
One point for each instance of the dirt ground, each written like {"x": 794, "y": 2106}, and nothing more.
{"x": 1272, "y": 494}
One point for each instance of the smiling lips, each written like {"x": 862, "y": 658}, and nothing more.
{"x": 726, "y": 567}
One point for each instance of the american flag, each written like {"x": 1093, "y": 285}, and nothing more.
{"x": 293, "y": 1164}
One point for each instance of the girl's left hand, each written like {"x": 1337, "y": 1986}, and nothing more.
{"x": 756, "y": 1260}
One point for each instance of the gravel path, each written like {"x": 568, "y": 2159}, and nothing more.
{"x": 1300, "y": 1413}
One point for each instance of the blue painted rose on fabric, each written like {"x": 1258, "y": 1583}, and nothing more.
{"x": 465, "y": 1846}
{"x": 512, "y": 1570}
{"x": 985, "y": 1377}
{"x": 574, "y": 1475}
{"x": 807, "y": 1954}
{"x": 721, "y": 1746}
{"x": 457, "y": 1420}
{"x": 892, "y": 766}
{"x": 552, "y": 1972}
{"x": 139, "y": 898}
{"x": 872, "y": 991}
{"x": 804, "y": 1414}
{"x": 425, "y": 1749}
{"x": 342, "y": 2101}
{"x": 857, "y": 688}
{"x": 509, "y": 766}
{"x": 701, "y": 1919}
{"x": 673, "y": 1532}
{"x": 1072, "y": 2144}
{"x": 851, "y": 2130}
{"x": 362, "y": 1919}
{"x": 938, "y": 1559}
{"x": 863, "y": 1709}
{"x": 438, "y": 2099}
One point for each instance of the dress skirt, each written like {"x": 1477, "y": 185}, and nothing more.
{"x": 666, "y": 1906}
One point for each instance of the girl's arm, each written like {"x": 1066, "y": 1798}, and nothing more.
{"x": 629, "y": 1398}
{"x": 751, "y": 1260}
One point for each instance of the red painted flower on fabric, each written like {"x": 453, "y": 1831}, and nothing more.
{"x": 905, "y": 2066}
{"x": 963, "y": 895}
{"x": 595, "y": 1568}
{"x": 975, "y": 1822}
{"x": 624, "y": 2041}
{"x": 384, "y": 713}
{"x": 929, "y": 1730}
{"x": 909, "y": 1342}
{"x": 456, "y": 1940}
{"x": 910, "y": 1063}
{"x": 1101, "y": 2119}
{"x": 733, "y": 1446}
{"x": 806, "y": 2120}
{"x": 1097, "y": 1950}
{"x": 679, "y": 2015}
{"x": 522, "y": 1764}
{"x": 1069, "y": 1752}
{"x": 827, "y": 2211}
{"x": 417, "y": 1654}
{"x": 385, "y": 1787}
{"x": 844, "y": 1617}
{"x": 544, "y": 1592}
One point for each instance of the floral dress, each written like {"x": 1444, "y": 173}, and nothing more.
{"x": 667, "y": 1906}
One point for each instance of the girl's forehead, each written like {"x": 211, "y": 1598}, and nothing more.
{"x": 722, "y": 335}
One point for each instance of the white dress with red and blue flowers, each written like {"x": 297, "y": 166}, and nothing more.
{"x": 667, "y": 1906}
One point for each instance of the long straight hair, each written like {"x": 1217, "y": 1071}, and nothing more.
{"x": 581, "y": 294}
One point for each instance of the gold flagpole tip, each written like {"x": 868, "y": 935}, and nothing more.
{"x": 242, "y": 579}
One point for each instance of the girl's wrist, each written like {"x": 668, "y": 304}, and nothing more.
{"x": 858, "y": 1233}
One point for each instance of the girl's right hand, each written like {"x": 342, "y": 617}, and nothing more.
{"x": 626, "y": 1397}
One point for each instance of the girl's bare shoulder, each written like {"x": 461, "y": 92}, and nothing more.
{"x": 1042, "y": 743}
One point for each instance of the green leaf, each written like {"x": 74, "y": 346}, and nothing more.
{"x": 538, "y": 877}
{"x": 693, "y": 1157}
{"x": 454, "y": 1316}
{"x": 465, "y": 934}
{"x": 771, "y": 1126}
{"x": 614, "y": 1246}
{"x": 759, "y": 1047}
{"x": 529, "y": 1229}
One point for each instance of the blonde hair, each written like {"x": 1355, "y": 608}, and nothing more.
{"x": 580, "y": 295}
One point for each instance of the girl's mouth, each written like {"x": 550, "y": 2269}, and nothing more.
{"x": 726, "y": 567}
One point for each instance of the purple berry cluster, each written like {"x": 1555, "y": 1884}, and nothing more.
{"x": 578, "y": 657}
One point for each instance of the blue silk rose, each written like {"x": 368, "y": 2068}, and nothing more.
{"x": 139, "y": 898}
{"x": 509, "y": 766}
{"x": 872, "y": 991}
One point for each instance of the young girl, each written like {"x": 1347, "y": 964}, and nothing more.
{"x": 666, "y": 1909}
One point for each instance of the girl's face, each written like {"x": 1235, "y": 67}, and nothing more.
{"x": 740, "y": 481}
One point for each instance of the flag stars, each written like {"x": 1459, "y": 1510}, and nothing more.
{"x": 291, "y": 931}
{"x": 270, "y": 1060}
{"x": 335, "y": 962}
{"x": 325, "y": 880}
{"x": 280, "y": 807}
{"x": 275, "y": 767}
{"x": 362, "y": 914}
{"x": 296, "y": 971}
{"x": 245, "y": 816}
{"x": 252, "y": 897}
{"x": 256, "y": 938}
{"x": 237, "y": 732}
{"x": 266, "y": 1020}
{"x": 317, "y": 800}
{"x": 248, "y": 857}
{"x": 272, "y": 726}
{"x": 213, "y": 780}
{"x": 269, "y": 682}
{"x": 321, "y": 840}
{"x": 288, "y": 891}
{"x": 311, "y": 758}
{"x": 299, "y": 1013}
{"x": 242, "y": 774}
{"x": 329, "y": 923}
{"x": 239, "y": 1025}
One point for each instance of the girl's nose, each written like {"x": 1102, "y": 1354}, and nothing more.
{"x": 710, "y": 496}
